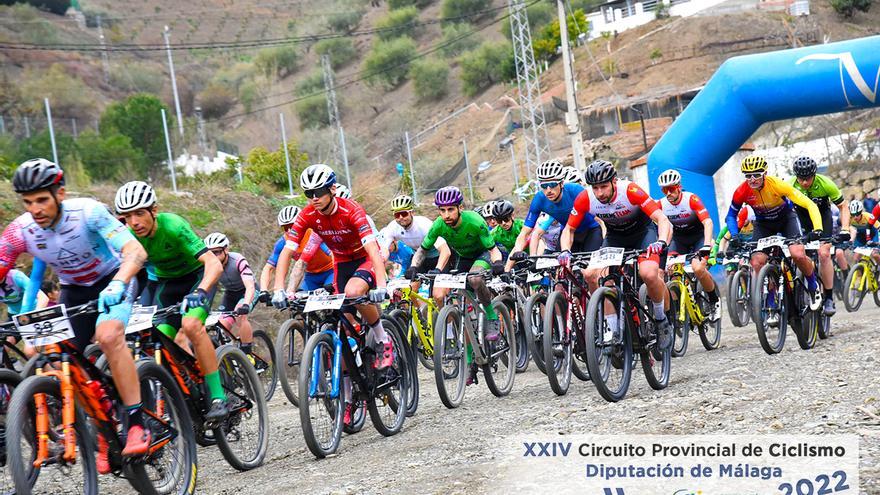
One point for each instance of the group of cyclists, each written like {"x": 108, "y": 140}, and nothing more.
{"x": 139, "y": 254}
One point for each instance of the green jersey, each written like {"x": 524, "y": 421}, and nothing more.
{"x": 174, "y": 250}
{"x": 469, "y": 239}
{"x": 823, "y": 191}
{"x": 507, "y": 238}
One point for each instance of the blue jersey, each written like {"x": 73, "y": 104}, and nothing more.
{"x": 402, "y": 256}
{"x": 12, "y": 290}
{"x": 559, "y": 210}
{"x": 276, "y": 252}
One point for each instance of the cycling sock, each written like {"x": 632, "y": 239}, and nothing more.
{"x": 247, "y": 348}
{"x": 611, "y": 321}
{"x": 470, "y": 355}
{"x": 713, "y": 297}
{"x": 379, "y": 333}
{"x": 827, "y": 293}
{"x": 346, "y": 387}
{"x": 135, "y": 414}
{"x": 215, "y": 389}
{"x": 167, "y": 329}
{"x": 659, "y": 313}
{"x": 490, "y": 312}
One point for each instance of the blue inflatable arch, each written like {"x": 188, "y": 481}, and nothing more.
{"x": 750, "y": 90}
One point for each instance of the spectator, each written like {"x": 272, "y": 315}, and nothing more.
{"x": 869, "y": 202}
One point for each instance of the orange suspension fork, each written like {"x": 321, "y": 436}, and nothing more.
{"x": 68, "y": 413}
{"x": 42, "y": 427}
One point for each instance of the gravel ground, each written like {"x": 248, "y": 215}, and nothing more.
{"x": 735, "y": 389}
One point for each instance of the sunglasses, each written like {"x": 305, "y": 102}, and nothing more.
{"x": 549, "y": 185}
{"x": 317, "y": 193}
{"x": 401, "y": 214}
{"x": 754, "y": 176}
{"x": 669, "y": 189}
{"x": 217, "y": 252}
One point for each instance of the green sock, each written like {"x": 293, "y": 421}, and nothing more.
{"x": 214, "y": 386}
{"x": 490, "y": 312}
{"x": 168, "y": 330}
{"x": 470, "y": 355}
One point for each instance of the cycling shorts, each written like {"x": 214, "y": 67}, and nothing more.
{"x": 787, "y": 226}
{"x": 84, "y": 324}
{"x": 686, "y": 244}
{"x": 461, "y": 264}
{"x": 170, "y": 291}
{"x": 586, "y": 241}
{"x": 360, "y": 268}
{"x": 827, "y": 221}
{"x": 634, "y": 242}
{"x": 230, "y": 300}
{"x": 315, "y": 281}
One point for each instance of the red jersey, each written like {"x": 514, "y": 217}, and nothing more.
{"x": 345, "y": 231}
{"x": 687, "y": 216}
{"x": 310, "y": 252}
{"x": 876, "y": 211}
{"x": 628, "y": 212}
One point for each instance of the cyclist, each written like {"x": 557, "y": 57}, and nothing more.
{"x": 313, "y": 267}
{"x": 508, "y": 228}
{"x": 824, "y": 192}
{"x": 863, "y": 227}
{"x": 12, "y": 291}
{"x": 556, "y": 198}
{"x": 285, "y": 220}
{"x": 771, "y": 198}
{"x": 238, "y": 281}
{"x": 744, "y": 220}
{"x": 357, "y": 263}
{"x": 95, "y": 257}
{"x": 691, "y": 231}
{"x": 627, "y": 212}
{"x": 185, "y": 271}
{"x": 574, "y": 176}
{"x": 342, "y": 191}
{"x": 487, "y": 213}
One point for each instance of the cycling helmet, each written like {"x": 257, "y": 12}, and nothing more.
{"x": 216, "y": 240}
{"x": 550, "y": 170}
{"x": 669, "y": 178}
{"x": 342, "y": 191}
{"x": 448, "y": 196}
{"x": 502, "y": 209}
{"x": 287, "y": 215}
{"x": 753, "y": 163}
{"x": 134, "y": 195}
{"x": 317, "y": 176}
{"x": 37, "y": 174}
{"x": 600, "y": 171}
{"x": 856, "y": 207}
{"x": 805, "y": 167}
{"x": 573, "y": 175}
{"x": 401, "y": 203}
{"x": 487, "y": 210}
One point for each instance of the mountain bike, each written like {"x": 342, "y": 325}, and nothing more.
{"x": 510, "y": 290}
{"x": 9, "y": 379}
{"x": 739, "y": 295}
{"x": 690, "y": 306}
{"x": 47, "y": 435}
{"x": 540, "y": 278}
{"x": 331, "y": 359}
{"x": 218, "y": 326}
{"x": 612, "y": 349}
{"x": 862, "y": 278}
{"x": 459, "y": 346}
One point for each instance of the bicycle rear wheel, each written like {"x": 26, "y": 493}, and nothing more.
{"x": 656, "y": 363}
{"x": 8, "y": 381}
{"x": 609, "y": 350}
{"x": 534, "y": 312}
{"x": 739, "y": 305}
{"x": 710, "y": 331}
{"x": 289, "y": 344}
{"x": 522, "y": 345}
{"x": 679, "y": 318}
{"x": 854, "y": 288}
{"x": 770, "y": 280}
{"x": 320, "y": 413}
{"x": 450, "y": 356}
{"x": 388, "y": 402}
{"x": 557, "y": 343}
{"x": 412, "y": 385}
{"x": 501, "y": 369}
{"x": 56, "y": 475}
{"x": 808, "y": 317}
{"x": 243, "y": 438}
{"x": 264, "y": 363}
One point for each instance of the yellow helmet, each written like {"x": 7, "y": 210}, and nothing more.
{"x": 753, "y": 163}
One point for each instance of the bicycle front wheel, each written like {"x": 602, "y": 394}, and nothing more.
{"x": 739, "y": 300}
{"x": 710, "y": 331}
{"x": 855, "y": 287}
{"x": 557, "y": 343}
{"x": 289, "y": 344}
{"x": 679, "y": 317}
{"x": 55, "y": 475}
{"x": 320, "y": 412}
{"x": 534, "y": 312}
{"x": 264, "y": 363}
{"x": 609, "y": 347}
{"x": 8, "y": 381}
{"x": 501, "y": 369}
{"x": 769, "y": 301}
{"x": 656, "y": 363}
{"x": 412, "y": 383}
{"x": 450, "y": 356}
{"x": 243, "y": 437}
{"x": 809, "y": 316}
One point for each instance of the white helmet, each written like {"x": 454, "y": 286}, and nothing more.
{"x": 402, "y": 203}
{"x": 288, "y": 214}
{"x": 216, "y": 240}
{"x": 317, "y": 176}
{"x": 669, "y": 178}
{"x": 573, "y": 175}
{"x": 342, "y": 191}
{"x": 550, "y": 170}
{"x": 134, "y": 195}
{"x": 487, "y": 210}
{"x": 856, "y": 207}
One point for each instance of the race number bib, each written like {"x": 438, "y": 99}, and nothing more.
{"x": 497, "y": 285}
{"x": 534, "y": 277}
{"x": 768, "y": 242}
{"x": 44, "y": 326}
{"x": 606, "y": 257}
{"x": 447, "y": 281}
{"x": 397, "y": 284}
{"x": 812, "y": 246}
{"x": 544, "y": 263}
{"x": 141, "y": 318}
{"x": 864, "y": 251}
{"x": 324, "y": 302}
{"x": 676, "y": 260}
{"x": 213, "y": 318}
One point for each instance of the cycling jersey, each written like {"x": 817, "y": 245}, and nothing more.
{"x": 276, "y": 251}
{"x": 469, "y": 239}
{"x": 628, "y": 213}
{"x": 687, "y": 216}
{"x": 771, "y": 203}
{"x": 12, "y": 290}
{"x": 560, "y": 209}
{"x": 402, "y": 256}
{"x": 82, "y": 247}
{"x": 876, "y": 211}
{"x": 866, "y": 227}
{"x": 345, "y": 230}
{"x": 552, "y": 230}
{"x": 312, "y": 251}
{"x": 507, "y": 238}
{"x": 823, "y": 191}
{"x": 174, "y": 249}
{"x": 235, "y": 272}
{"x": 412, "y": 236}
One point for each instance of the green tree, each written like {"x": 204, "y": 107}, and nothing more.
{"x": 40, "y": 146}
{"x": 110, "y": 157}
{"x": 459, "y": 38}
{"x": 467, "y": 10}
{"x": 216, "y": 101}
{"x": 398, "y": 4}
{"x": 340, "y": 50}
{"x": 312, "y": 112}
{"x": 550, "y": 37}
{"x": 540, "y": 14}
{"x": 279, "y": 61}
{"x": 398, "y": 23}
{"x": 346, "y": 19}
{"x": 312, "y": 83}
{"x": 139, "y": 118}
{"x": 268, "y": 167}
{"x": 848, "y": 8}
{"x": 388, "y": 62}
{"x": 430, "y": 78}
{"x": 483, "y": 67}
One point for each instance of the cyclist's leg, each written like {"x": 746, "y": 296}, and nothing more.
{"x": 761, "y": 230}
{"x": 477, "y": 283}
{"x": 652, "y": 276}
{"x": 357, "y": 278}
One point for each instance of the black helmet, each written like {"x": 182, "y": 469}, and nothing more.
{"x": 502, "y": 209}
{"x": 600, "y": 171}
{"x": 36, "y": 174}
{"x": 805, "y": 166}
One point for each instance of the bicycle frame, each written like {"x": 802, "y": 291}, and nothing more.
{"x": 566, "y": 281}
{"x": 416, "y": 325}
{"x": 687, "y": 283}
{"x": 868, "y": 281}
{"x": 626, "y": 282}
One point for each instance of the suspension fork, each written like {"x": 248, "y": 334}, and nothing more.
{"x": 336, "y": 372}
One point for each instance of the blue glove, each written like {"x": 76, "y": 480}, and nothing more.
{"x": 279, "y": 299}
{"x": 195, "y": 299}
{"x": 378, "y": 295}
{"x": 564, "y": 258}
{"x": 111, "y": 295}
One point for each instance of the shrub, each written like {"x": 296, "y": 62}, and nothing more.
{"x": 465, "y": 9}
{"x": 216, "y": 101}
{"x": 137, "y": 78}
{"x": 248, "y": 94}
{"x": 482, "y": 67}
{"x": 550, "y": 38}
{"x": 458, "y": 38}
{"x": 311, "y": 84}
{"x": 388, "y": 62}
{"x": 234, "y": 76}
{"x": 312, "y": 112}
{"x": 398, "y": 4}
{"x": 430, "y": 77}
{"x": 340, "y": 50}
{"x": 847, "y": 8}
{"x": 346, "y": 20}
{"x": 398, "y": 23}
{"x": 280, "y": 61}
{"x": 110, "y": 157}
{"x": 540, "y": 14}
{"x": 68, "y": 95}
{"x": 268, "y": 167}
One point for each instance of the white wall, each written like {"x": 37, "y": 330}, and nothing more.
{"x": 194, "y": 164}
{"x": 599, "y": 24}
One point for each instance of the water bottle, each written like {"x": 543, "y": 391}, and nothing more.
{"x": 98, "y": 390}
{"x": 354, "y": 350}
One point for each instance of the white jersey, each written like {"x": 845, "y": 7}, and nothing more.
{"x": 411, "y": 236}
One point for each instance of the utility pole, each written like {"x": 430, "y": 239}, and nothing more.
{"x": 166, "y": 34}
{"x": 412, "y": 174}
{"x": 200, "y": 126}
{"x": 73, "y": 126}
{"x": 286, "y": 155}
{"x": 467, "y": 165}
{"x": 51, "y": 131}
{"x": 105, "y": 60}
{"x": 27, "y": 127}
{"x": 531, "y": 112}
{"x": 339, "y": 151}
{"x": 572, "y": 120}
{"x": 168, "y": 149}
